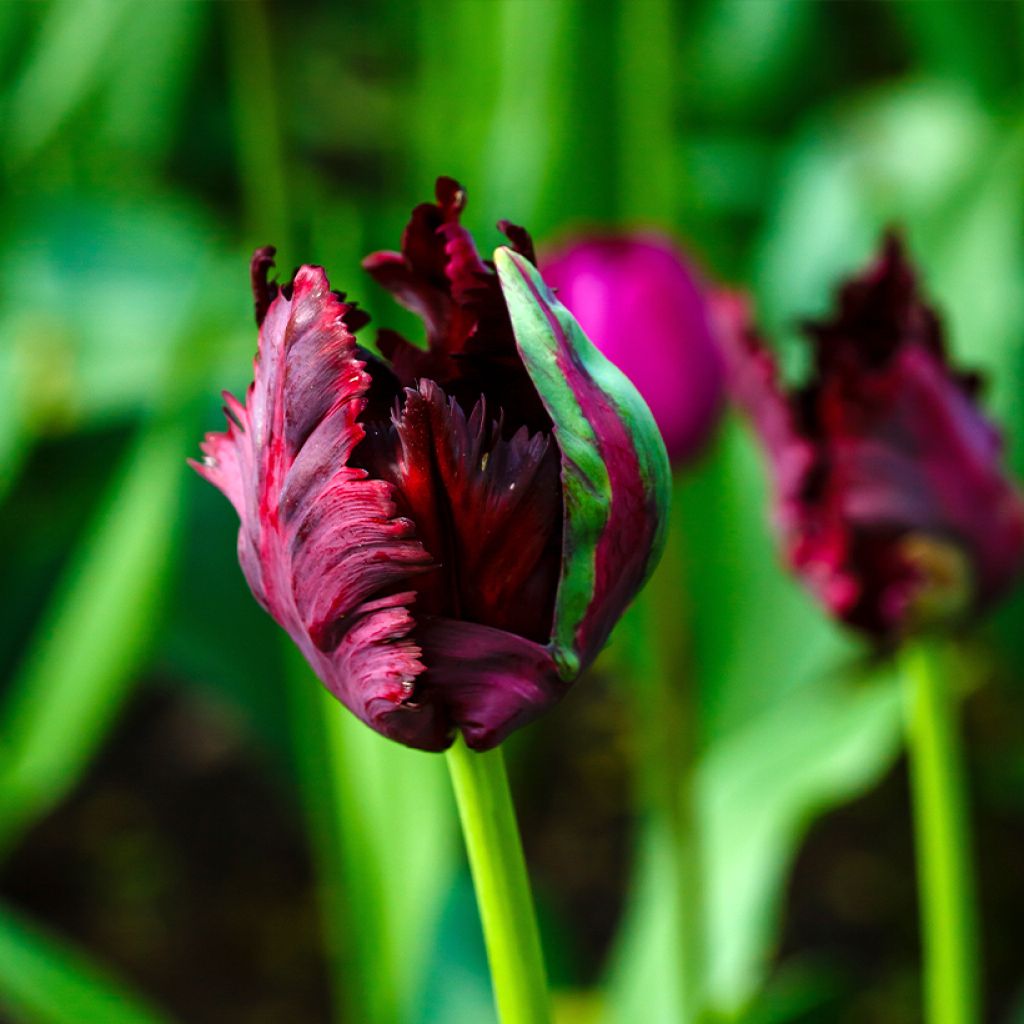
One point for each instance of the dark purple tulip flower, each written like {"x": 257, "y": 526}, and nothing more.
{"x": 892, "y": 498}
{"x": 646, "y": 308}
{"x": 450, "y": 533}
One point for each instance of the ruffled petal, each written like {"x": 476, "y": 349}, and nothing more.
{"x": 321, "y": 544}
{"x": 489, "y": 509}
{"x": 754, "y": 385}
{"x": 471, "y": 349}
{"x": 878, "y": 313}
{"x": 438, "y": 275}
{"x": 890, "y": 491}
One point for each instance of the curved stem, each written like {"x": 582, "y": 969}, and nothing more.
{"x": 502, "y": 887}
{"x": 945, "y": 878}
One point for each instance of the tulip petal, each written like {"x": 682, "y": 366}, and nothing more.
{"x": 490, "y": 681}
{"x": 644, "y": 304}
{"x": 440, "y": 276}
{"x": 615, "y": 471}
{"x": 488, "y": 508}
{"x": 891, "y": 496}
{"x": 320, "y": 543}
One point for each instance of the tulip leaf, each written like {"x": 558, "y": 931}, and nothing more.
{"x": 757, "y": 797}
{"x": 384, "y": 831}
{"x": 64, "y": 68}
{"x": 43, "y": 980}
{"x": 97, "y": 277}
{"x": 785, "y": 736}
{"x": 90, "y": 643}
{"x": 457, "y": 985}
{"x": 15, "y": 413}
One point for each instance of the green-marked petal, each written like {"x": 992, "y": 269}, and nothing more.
{"x": 615, "y": 471}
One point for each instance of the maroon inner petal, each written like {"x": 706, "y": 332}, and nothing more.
{"x": 490, "y": 682}
{"x": 471, "y": 351}
{"x": 486, "y": 507}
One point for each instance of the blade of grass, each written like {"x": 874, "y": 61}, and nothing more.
{"x": 91, "y": 641}
{"x": 44, "y": 980}
{"x": 370, "y": 803}
{"x": 259, "y": 144}
{"x": 649, "y": 173}
{"x": 16, "y": 428}
{"x": 64, "y": 67}
{"x": 532, "y": 105}
{"x": 154, "y": 58}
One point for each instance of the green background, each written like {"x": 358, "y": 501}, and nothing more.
{"x": 183, "y": 815}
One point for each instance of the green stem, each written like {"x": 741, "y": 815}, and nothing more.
{"x": 649, "y": 172}
{"x": 667, "y": 713}
{"x": 502, "y": 887}
{"x": 259, "y": 140}
{"x": 945, "y": 879}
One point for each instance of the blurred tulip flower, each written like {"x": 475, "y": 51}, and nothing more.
{"x": 646, "y": 308}
{"x": 892, "y": 499}
{"x": 450, "y": 534}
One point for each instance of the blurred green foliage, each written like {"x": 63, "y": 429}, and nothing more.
{"x": 147, "y": 147}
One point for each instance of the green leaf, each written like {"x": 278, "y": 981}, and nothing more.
{"x": 531, "y": 39}
{"x": 384, "y": 833}
{"x": 16, "y": 429}
{"x": 786, "y": 736}
{"x": 151, "y": 64}
{"x": 65, "y": 66}
{"x": 93, "y": 638}
{"x": 111, "y": 293}
{"x": 43, "y": 980}
{"x": 777, "y": 41}
{"x": 903, "y": 154}
{"x": 759, "y": 792}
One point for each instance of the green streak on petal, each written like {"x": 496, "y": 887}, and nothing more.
{"x": 544, "y": 329}
{"x": 586, "y": 488}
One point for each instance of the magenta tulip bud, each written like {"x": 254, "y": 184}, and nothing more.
{"x": 646, "y": 308}
{"x": 892, "y": 499}
{"x": 450, "y": 533}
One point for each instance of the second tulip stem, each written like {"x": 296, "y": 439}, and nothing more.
{"x": 945, "y": 877}
{"x": 502, "y": 886}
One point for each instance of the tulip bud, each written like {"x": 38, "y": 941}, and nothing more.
{"x": 646, "y": 309}
{"x": 448, "y": 534}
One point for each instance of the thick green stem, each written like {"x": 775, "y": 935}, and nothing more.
{"x": 502, "y": 887}
{"x": 945, "y": 879}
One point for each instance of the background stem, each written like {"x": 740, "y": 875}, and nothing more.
{"x": 259, "y": 141}
{"x": 502, "y": 887}
{"x": 945, "y": 878}
{"x": 669, "y": 752}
